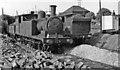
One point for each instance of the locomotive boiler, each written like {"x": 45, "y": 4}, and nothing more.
{"x": 52, "y": 24}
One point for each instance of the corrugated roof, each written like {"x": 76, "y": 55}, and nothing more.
{"x": 73, "y": 9}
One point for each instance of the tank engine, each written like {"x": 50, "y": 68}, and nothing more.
{"x": 53, "y": 29}
{"x": 50, "y": 31}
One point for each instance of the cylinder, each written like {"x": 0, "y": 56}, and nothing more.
{"x": 41, "y": 14}
{"x": 53, "y": 10}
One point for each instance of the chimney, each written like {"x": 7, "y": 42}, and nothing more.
{"x": 32, "y": 12}
{"x": 53, "y": 10}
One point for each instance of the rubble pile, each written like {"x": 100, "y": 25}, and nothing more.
{"x": 106, "y": 41}
{"x": 96, "y": 54}
{"x": 14, "y": 56}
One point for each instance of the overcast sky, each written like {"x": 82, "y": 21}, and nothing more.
{"x": 24, "y": 6}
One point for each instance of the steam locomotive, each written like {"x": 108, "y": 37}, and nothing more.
{"x": 50, "y": 30}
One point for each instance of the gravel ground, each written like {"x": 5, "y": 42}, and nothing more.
{"x": 17, "y": 55}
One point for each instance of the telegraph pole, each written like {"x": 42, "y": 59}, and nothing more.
{"x": 79, "y": 2}
{"x": 35, "y": 9}
{"x": 100, "y": 15}
{"x": 2, "y": 11}
{"x": 16, "y": 13}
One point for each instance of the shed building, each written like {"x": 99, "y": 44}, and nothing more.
{"x": 73, "y": 11}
